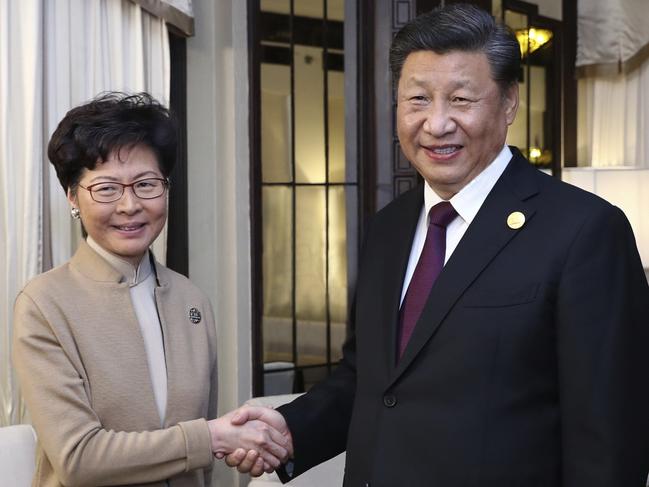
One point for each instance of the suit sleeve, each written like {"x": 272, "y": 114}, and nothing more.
{"x": 603, "y": 352}
{"x": 80, "y": 450}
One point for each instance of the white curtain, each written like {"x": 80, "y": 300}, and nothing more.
{"x": 613, "y": 119}
{"x": 612, "y": 35}
{"x": 21, "y": 172}
{"x": 54, "y": 55}
{"x": 178, "y": 13}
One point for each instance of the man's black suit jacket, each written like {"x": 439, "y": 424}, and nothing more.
{"x": 528, "y": 366}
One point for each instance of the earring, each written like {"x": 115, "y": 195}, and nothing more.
{"x": 76, "y": 214}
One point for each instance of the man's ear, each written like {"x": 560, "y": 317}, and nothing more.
{"x": 510, "y": 102}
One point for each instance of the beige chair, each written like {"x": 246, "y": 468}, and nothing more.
{"x": 328, "y": 474}
{"x": 17, "y": 455}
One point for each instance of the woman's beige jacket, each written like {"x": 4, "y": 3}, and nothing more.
{"x": 83, "y": 371}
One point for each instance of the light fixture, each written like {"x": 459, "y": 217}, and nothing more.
{"x": 532, "y": 39}
{"x": 539, "y": 156}
{"x": 535, "y": 153}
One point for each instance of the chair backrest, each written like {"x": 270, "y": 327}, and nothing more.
{"x": 17, "y": 455}
{"x": 327, "y": 474}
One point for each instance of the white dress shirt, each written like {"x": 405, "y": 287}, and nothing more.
{"x": 142, "y": 281}
{"x": 466, "y": 202}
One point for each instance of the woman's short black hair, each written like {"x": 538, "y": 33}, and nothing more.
{"x": 90, "y": 133}
{"x": 460, "y": 27}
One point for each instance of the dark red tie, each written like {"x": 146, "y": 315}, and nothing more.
{"x": 429, "y": 266}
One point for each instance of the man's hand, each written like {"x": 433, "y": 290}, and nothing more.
{"x": 254, "y": 439}
{"x": 247, "y": 461}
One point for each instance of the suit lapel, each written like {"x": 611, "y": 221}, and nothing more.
{"x": 487, "y": 235}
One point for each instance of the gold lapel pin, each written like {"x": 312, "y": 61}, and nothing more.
{"x": 515, "y": 220}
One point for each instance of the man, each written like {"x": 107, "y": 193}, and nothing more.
{"x": 524, "y": 362}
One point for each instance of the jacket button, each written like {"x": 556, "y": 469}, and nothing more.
{"x": 389, "y": 400}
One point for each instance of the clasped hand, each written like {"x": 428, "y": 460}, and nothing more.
{"x": 253, "y": 439}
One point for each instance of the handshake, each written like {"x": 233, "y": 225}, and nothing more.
{"x": 253, "y": 439}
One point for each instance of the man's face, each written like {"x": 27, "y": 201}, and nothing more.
{"x": 452, "y": 117}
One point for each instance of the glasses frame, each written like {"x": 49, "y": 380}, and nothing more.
{"x": 165, "y": 184}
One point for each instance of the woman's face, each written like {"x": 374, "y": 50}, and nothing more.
{"x": 128, "y": 226}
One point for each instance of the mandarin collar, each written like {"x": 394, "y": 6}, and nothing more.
{"x": 131, "y": 274}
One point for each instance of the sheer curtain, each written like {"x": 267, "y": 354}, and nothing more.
{"x": 21, "y": 172}
{"x": 55, "y": 54}
{"x": 613, "y": 99}
{"x": 614, "y": 119}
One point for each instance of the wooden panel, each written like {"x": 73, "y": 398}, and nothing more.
{"x": 177, "y": 238}
{"x": 401, "y": 13}
{"x": 427, "y": 5}
{"x": 404, "y": 175}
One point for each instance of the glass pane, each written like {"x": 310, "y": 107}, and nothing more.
{"x": 539, "y": 150}
{"x": 310, "y": 275}
{"x": 309, "y": 8}
{"x": 277, "y": 261}
{"x": 336, "y": 106}
{"x": 309, "y": 94}
{"x": 338, "y": 172}
{"x": 277, "y": 6}
{"x": 336, "y": 10}
{"x": 342, "y": 239}
{"x": 517, "y": 134}
{"x": 275, "y": 122}
{"x": 309, "y": 115}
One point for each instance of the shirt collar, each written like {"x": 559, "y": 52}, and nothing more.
{"x": 469, "y": 199}
{"x": 133, "y": 275}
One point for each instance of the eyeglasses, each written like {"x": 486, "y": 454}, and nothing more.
{"x": 109, "y": 191}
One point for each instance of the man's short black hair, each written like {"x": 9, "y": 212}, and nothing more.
{"x": 460, "y": 27}
{"x": 90, "y": 133}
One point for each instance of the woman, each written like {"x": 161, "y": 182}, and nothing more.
{"x": 116, "y": 354}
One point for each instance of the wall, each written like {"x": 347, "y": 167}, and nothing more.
{"x": 218, "y": 197}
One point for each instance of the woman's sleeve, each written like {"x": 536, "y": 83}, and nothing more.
{"x": 80, "y": 450}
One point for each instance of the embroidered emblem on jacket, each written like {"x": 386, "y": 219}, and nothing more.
{"x": 194, "y": 315}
